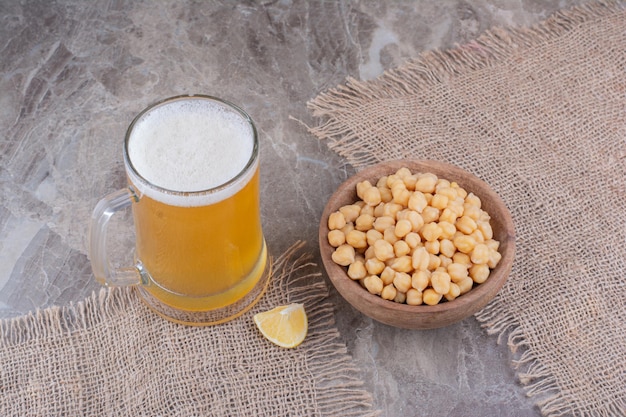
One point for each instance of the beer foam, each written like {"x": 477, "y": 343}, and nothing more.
{"x": 191, "y": 145}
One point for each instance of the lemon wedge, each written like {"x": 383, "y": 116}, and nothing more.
{"x": 285, "y": 326}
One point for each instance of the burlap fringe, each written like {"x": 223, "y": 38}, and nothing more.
{"x": 339, "y": 391}
{"x": 61, "y": 321}
{"x": 434, "y": 67}
{"x": 335, "y": 374}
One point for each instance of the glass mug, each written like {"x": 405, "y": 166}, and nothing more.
{"x": 192, "y": 164}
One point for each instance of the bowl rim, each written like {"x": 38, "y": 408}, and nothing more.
{"x": 487, "y": 289}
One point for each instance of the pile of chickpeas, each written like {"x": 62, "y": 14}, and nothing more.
{"x": 414, "y": 238}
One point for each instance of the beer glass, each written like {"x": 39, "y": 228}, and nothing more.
{"x": 192, "y": 165}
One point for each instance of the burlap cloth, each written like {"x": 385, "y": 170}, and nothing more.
{"x": 111, "y": 356}
{"x": 540, "y": 114}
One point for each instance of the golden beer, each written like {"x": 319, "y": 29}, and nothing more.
{"x": 194, "y": 167}
{"x": 201, "y": 257}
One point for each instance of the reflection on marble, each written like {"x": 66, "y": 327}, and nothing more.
{"x": 73, "y": 74}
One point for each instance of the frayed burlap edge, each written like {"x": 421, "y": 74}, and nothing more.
{"x": 432, "y": 68}
{"x": 339, "y": 391}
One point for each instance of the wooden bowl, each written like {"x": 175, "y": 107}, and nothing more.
{"x": 422, "y": 316}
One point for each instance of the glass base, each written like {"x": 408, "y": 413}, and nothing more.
{"x": 209, "y": 317}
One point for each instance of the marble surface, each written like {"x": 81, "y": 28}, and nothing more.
{"x": 73, "y": 74}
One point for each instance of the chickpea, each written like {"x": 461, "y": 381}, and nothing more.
{"x": 413, "y": 240}
{"x": 372, "y": 236}
{"x": 372, "y": 196}
{"x": 478, "y": 236}
{"x": 466, "y": 224}
{"x": 480, "y": 254}
{"x": 485, "y": 229}
{"x": 420, "y": 280}
{"x": 374, "y": 266}
{"x": 462, "y": 258}
{"x": 389, "y": 292}
{"x": 445, "y": 261}
{"x": 459, "y": 190}
{"x": 336, "y": 220}
{"x": 441, "y": 282}
{"x": 416, "y": 220}
{"x": 347, "y": 228}
{"x": 391, "y": 179}
{"x": 417, "y": 202}
{"x": 457, "y": 271}
{"x": 356, "y": 239}
{"x": 458, "y": 206}
{"x": 447, "y": 229}
{"x": 431, "y": 231}
{"x": 402, "y": 214}
{"x": 433, "y": 262}
{"x": 373, "y": 284}
{"x": 364, "y": 222}
{"x": 390, "y": 235}
{"x": 413, "y": 297}
{"x": 426, "y": 183}
{"x": 403, "y": 228}
{"x": 431, "y": 297}
{"x": 493, "y": 244}
{"x": 379, "y": 210}
{"x": 402, "y": 264}
{"x": 385, "y": 194}
{"x": 383, "y": 250}
{"x": 420, "y": 259}
{"x": 447, "y": 248}
{"x": 361, "y": 187}
{"x": 430, "y": 214}
{"x": 336, "y": 238}
{"x": 387, "y": 275}
{"x": 465, "y": 284}
{"x": 350, "y": 212}
{"x": 439, "y": 201}
{"x": 344, "y": 255}
{"x": 409, "y": 182}
{"x": 401, "y": 195}
{"x": 367, "y": 210}
{"x": 448, "y": 215}
{"x": 357, "y": 270}
{"x": 494, "y": 258}
{"x": 403, "y": 172}
{"x": 479, "y": 273}
{"x": 464, "y": 243}
{"x": 441, "y": 183}
{"x": 471, "y": 211}
{"x": 382, "y": 181}
{"x": 384, "y": 222}
{"x": 432, "y": 247}
{"x": 454, "y": 292}
{"x": 473, "y": 200}
{"x": 391, "y": 209}
{"x": 400, "y": 297}
{"x": 450, "y": 192}
{"x": 401, "y": 248}
{"x": 402, "y": 281}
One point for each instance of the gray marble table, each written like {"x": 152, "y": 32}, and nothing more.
{"x": 74, "y": 73}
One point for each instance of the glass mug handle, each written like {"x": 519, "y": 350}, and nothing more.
{"x": 104, "y": 272}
